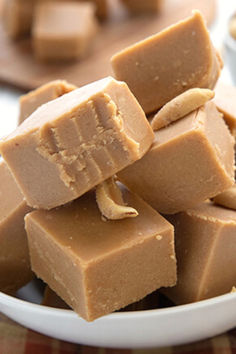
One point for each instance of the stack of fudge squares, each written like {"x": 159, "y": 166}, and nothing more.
{"x": 92, "y": 168}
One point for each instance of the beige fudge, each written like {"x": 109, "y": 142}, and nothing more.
{"x": 191, "y": 160}
{"x": 205, "y": 239}
{"x": 63, "y": 30}
{"x": 99, "y": 266}
{"x": 151, "y": 301}
{"x": 140, "y": 6}
{"x": 71, "y": 144}
{"x": 15, "y": 269}
{"x": 45, "y": 93}
{"x": 225, "y": 100}
{"x": 168, "y": 63}
{"x": 17, "y": 17}
{"x": 227, "y": 198}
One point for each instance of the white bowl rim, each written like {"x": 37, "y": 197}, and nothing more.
{"x": 8, "y": 299}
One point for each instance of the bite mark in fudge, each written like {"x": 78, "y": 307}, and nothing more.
{"x": 15, "y": 269}
{"x": 73, "y": 143}
{"x": 205, "y": 239}
{"x": 190, "y": 160}
{"x": 180, "y": 106}
{"x": 168, "y": 63}
{"x": 63, "y": 30}
{"x": 225, "y": 100}
{"x": 227, "y": 198}
{"x": 98, "y": 267}
{"x": 43, "y": 94}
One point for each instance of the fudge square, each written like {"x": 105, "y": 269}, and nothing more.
{"x": 43, "y": 94}
{"x": 99, "y": 266}
{"x": 191, "y": 160}
{"x": 71, "y": 144}
{"x": 63, "y": 30}
{"x": 168, "y": 63}
{"x": 15, "y": 269}
{"x": 205, "y": 239}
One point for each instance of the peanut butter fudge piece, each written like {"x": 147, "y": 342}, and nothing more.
{"x": 63, "y": 30}
{"x": 99, "y": 266}
{"x": 225, "y": 100}
{"x": 227, "y": 198}
{"x": 205, "y": 240}
{"x": 17, "y": 17}
{"x": 45, "y": 93}
{"x": 15, "y": 269}
{"x": 191, "y": 160}
{"x": 73, "y": 143}
{"x": 140, "y": 6}
{"x": 168, "y": 63}
{"x": 151, "y": 301}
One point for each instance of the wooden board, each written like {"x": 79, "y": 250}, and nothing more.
{"x": 18, "y": 67}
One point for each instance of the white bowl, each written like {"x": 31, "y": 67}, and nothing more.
{"x": 137, "y": 329}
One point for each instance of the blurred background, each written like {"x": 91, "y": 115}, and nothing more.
{"x": 21, "y": 69}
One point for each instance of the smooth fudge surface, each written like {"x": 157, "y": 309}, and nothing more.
{"x": 227, "y": 198}
{"x": 205, "y": 239}
{"x": 15, "y": 269}
{"x": 43, "y": 94}
{"x": 190, "y": 160}
{"x": 17, "y": 17}
{"x": 141, "y": 7}
{"x": 225, "y": 100}
{"x": 71, "y": 144}
{"x": 63, "y": 30}
{"x": 168, "y": 63}
{"x": 151, "y": 301}
{"x": 99, "y": 266}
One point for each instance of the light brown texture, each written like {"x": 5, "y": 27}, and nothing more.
{"x": 190, "y": 160}
{"x": 18, "y": 66}
{"x": 98, "y": 267}
{"x": 110, "y": 202}
{"x": 227, "y": 198}
{"x": 63, "y": 30}
{"x": 225, "y": 100}
{"x": 48, "y": 92}
{"x": 180, "y": 106}
{"x": 205, "y": 239}
{"x": 17, "y": 17}
{"x": 168, "y": 63}
{"x": 140, "y": 6}
{"x": 150, "y": 302}
{"x": 15, "y": 269}
{"x": 71, "y": 144}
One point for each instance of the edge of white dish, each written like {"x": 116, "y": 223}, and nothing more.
{"x": 136, "y": 329}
